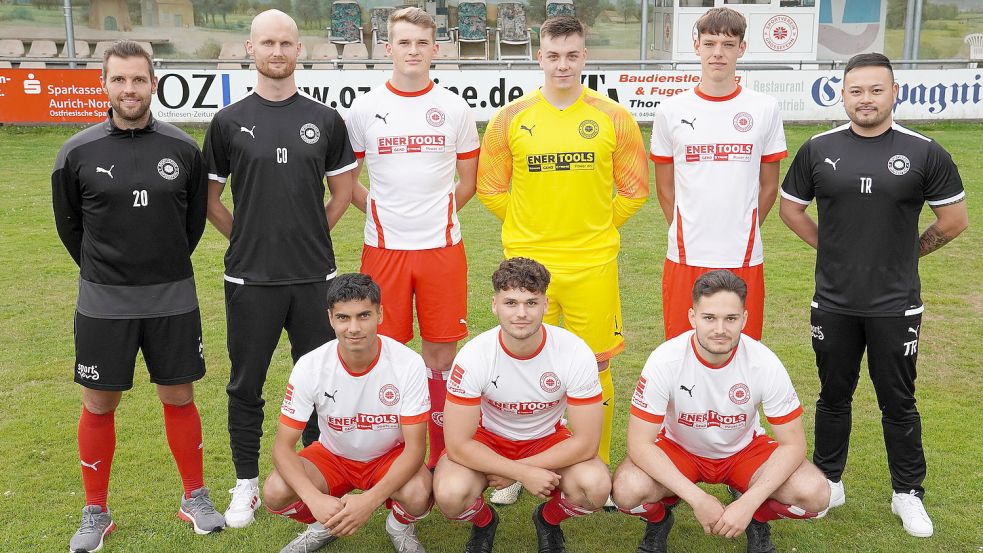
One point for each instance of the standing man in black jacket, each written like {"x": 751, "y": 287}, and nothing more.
{"x": 129, "y": 202}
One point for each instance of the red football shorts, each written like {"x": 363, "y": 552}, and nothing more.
{"x": 438, "y": 278}
{"x": 735, "y": 471}
{"x": 520, "y": 449}
{"x": 677, "y": 296}
{"x": 344, "y": 475}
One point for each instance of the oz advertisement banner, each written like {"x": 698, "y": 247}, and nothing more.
{"x": 59, "y": 95}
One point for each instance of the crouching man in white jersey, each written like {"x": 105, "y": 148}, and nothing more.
{"x": 694, "y": 418}
{"x": 506, "y": 393}
{"x": 372, "y": 407}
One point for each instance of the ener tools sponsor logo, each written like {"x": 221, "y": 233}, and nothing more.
{"x": 412, "y": 144}
{"x": 523, "y": 407}
{"x": 560, "y": 161}
{"x": 364, "y": 421}
{"x": 718, "y": 152}
{"x": 712, "y": 419}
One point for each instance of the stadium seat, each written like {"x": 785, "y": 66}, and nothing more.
{"x": 82, "y": 49}
{"x": 446, "y": 51}
{"x": 5, "y": 65}
{"x": 975, "y": 42}
{"x": 43, "y": 49}
{"x": 560, "y": 7}
{"x": 472, "y": 28}
{"x": 148, "y": 47}
{"x": 380, "y": 28}
{"x": 94, "y": 65}
{"x": 324, "y": 51}
{"x": 228, "y": 65}
{"x": 232, "y": 51}
{"x": 513, "y": 40}
{"x": 356, "y": 51}
{"x": 11, "y": 48}
{"x": 346, "y": 23}
{"x": 101, "y": 48}
{"x": 33, "y": 65}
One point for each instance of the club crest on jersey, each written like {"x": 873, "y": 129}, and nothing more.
{"x": 743, "y": 121}
{"x": 739, "y": 393}
{"x": 898, "y": 165}
{"x": 588, "y": 128}
{"x": 168, "y": 169}
{"x": 549, "y": 382}
{"x": 389, "y": 395}
{"x": 309, "y": 133}
{"x": 436, "y": 117}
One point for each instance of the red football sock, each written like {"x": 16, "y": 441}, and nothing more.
{"x": 298, "y": 510}
{"x": 183, "y": 427}
{"x": 403, "y": 517}
{"x": 771, "y": 510}
{"x": 437, "y": 384}
{"x": 97, "y": 444}
{"x": 559, "y": 508}
{"x": 479, "y": 513}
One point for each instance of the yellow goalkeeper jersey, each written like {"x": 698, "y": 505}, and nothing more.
{"x": 563, "y": 181}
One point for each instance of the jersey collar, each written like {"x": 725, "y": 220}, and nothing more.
{"x": 111, "y": 127}
{"x": 707, "y": 97}
{"x": 709, "y": 365}
{"x": 542, "y": 332}
{"x": 371, "y": 365}
{"x": 405, "y": 94}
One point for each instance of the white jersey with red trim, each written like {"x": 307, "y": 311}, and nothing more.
{"x": 716, "y": 146}
{"x": 411, "y": 142}
{"x": 524, "y": 398}
{"x": 713, "y": 412}
{"x": 359, "y": 415}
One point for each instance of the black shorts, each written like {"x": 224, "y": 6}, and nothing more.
{"x": 106, "y": 350}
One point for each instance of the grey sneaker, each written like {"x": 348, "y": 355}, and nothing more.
{"x": 96, "y": 525}
{"x": 200, "y": 512}
{"x": 405, "y": 540}
{"x": 309, "y": 540}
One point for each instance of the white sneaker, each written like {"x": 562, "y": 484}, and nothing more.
{"x": 245, "y": 501}
{"x": 837, "y": 496}
{"x": 507, "y": 495}
{"x": 403, "y": 536}
{"x": 915, "y": 520}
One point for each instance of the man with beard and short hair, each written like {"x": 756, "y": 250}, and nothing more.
{"x": 694, "y": 418}
{"x": 278, "y": 145}
{"x": 506, "y": 395}
{"x": 129, "y": 203}
{"x": 870, "y": 179}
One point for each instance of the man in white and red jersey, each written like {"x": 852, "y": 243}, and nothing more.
{"x": 371, "y": 402}
{"x": 413, "y": 135}
{"x": 717, "y": 150}
{"x": 506, "y": 394}
{"x": 694, "y": 418}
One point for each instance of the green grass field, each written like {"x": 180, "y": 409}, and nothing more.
{"x": 40, "y": 484}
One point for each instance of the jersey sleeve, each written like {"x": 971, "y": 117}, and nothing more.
{"x": 414, "y": 407}
{"x": 216, "y": 152}
{"x": 775, "y": 148}
{"x": 339, "y": 157}
{"x": 356, "y": 132}
{"x": 66, "y": 200}
{"x": 942, "y": 182}
{"x": 798, "y": 185}
{"x": 631, "y": 174}
{"x": 468, "y": 143}
{"x": 495, "y": 165}
{"x": 197, "y": 197}
{"x": 778, "y": 398}
{"x": 661, "y": 149}
{"x": 467, "y": 380}
{"x": 298, "y": 400}
{"x": 584, "y": 387}
{"x": 650, "y": 400}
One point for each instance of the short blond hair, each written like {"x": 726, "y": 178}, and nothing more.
{"x": 413, "y": 16}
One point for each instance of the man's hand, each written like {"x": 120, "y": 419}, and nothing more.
{"x": 324, "y": 506}
{"x": 355, "y": 513}
{"x": 499, "y": 482}
{"x": 707, "y": 510}
{"x": 540, "y": 482}
{"x": 734, "y": 519}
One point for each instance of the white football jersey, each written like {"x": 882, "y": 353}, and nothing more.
{"x": 716, "y": 146}
{"x": 359, "y": 415}
{"x": 524, "y": 398}
{"x": 713, "y": 411}
{"x": 410, "y": 142}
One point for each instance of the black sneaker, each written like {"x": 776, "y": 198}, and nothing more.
{"x": 548, "y": 536}
{"x": 656, "y": 537}
{"x": 759, "y": 538}
{"x": 483, "y": 539}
